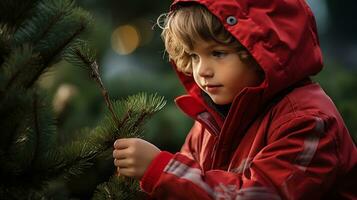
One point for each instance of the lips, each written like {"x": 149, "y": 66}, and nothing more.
{"x": 212, "y": 85}
{"x": 212, "y": 88}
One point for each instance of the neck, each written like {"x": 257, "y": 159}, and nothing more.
{"x": 222, "y": 110}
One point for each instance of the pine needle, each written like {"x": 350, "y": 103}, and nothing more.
{"x": 80, "y": 54}
{"x": 118, "y": 188}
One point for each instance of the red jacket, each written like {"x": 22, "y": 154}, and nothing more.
{"x": 282, "y": 140}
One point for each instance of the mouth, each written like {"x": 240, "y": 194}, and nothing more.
{"x": 212, "y": 88}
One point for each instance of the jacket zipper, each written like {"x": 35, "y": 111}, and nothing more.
{"x": 204, "y": 118}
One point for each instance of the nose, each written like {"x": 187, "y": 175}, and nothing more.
{"x": 204, "y": 68}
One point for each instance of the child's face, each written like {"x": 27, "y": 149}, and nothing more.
{"x": 219, "y": 71}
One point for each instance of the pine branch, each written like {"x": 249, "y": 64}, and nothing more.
{"x": 84, "y": 152}
{"x": 56, "y": 25}
{"x": 14, "y": 72}
{"x": 100, "y": 140}
{"x": 27, "y": 145}
{"x": 118, "y": 188}
{"x": 81, "y": 55}
{"x": 13, "y": 12}
{"x": 47, "y": 15}
{"x": 36, "y": 125}
{"x": 135, "y": 110}
{"x": 29, "y": 46}
{"x": 52, "y": 57}
{"x": 139, "y": 108}
{"x": 49, "y": 59}
{"x": 5, "y": 42}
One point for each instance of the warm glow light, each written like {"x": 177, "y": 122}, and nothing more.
{"x": 62, "y": 97}
{"x": 125, "y": 39}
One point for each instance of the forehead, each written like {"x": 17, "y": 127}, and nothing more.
{"x": 207, "y": 45}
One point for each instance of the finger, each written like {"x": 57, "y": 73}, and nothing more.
{"x": 126, "y": 172}
{"x": 119, "y": 154}
{"x": 121, "y": 143}
{"x": 122, "y": 153}
{"x": 118, "y": 163}
{"x": 123, "y": 163}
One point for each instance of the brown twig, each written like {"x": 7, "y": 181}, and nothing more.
{"x": 95, "y": 75}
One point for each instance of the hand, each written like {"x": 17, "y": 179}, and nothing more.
{"x": 132, "y": 156}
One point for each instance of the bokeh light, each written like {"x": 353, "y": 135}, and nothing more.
{"x": 125, "y": 39}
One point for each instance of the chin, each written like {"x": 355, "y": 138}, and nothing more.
{"x": 221, "y": 101}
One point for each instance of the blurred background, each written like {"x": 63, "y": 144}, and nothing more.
{"x": 131, "y": 56}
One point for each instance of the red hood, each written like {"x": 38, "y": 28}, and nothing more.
{"x": 280, "y": 35}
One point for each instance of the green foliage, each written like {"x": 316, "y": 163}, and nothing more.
{"x": 118, "y": 188}
{"x": 139, "y": 108}
{"x": 31, "y": 155}
{"x": 13, "y": 12}
{"x": 80, "y": 54}
{"x": 30, "y": 171}
{"x": 41, "y": 35}
{"x": 15, "y": 75}
{"x": 32, "y": 40}
{"x": 133, "y": 112}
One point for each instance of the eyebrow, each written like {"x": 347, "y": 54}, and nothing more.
{"x": 211, "y": 46}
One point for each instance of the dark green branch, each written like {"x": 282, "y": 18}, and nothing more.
{"x": 36, "y": 127}
{"x": 49, "y": 59}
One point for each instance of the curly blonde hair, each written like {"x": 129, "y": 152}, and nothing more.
{"x": 187, "y": 24}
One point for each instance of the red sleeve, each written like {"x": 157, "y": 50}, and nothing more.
{"x": 154, "y": 171}
{"x": 298, "y": 162}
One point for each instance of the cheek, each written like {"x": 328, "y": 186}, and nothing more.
{"x": 236, "y": 82}
{"x": 247, "y": 77}
{"x": 233, "y": 79}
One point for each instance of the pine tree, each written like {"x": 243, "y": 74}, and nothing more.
{"x": 35, "y": 35}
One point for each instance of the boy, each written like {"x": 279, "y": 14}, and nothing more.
{"x": 263, "y": 129}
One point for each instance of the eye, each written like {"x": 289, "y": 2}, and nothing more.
{"x": 219, "y": 54}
